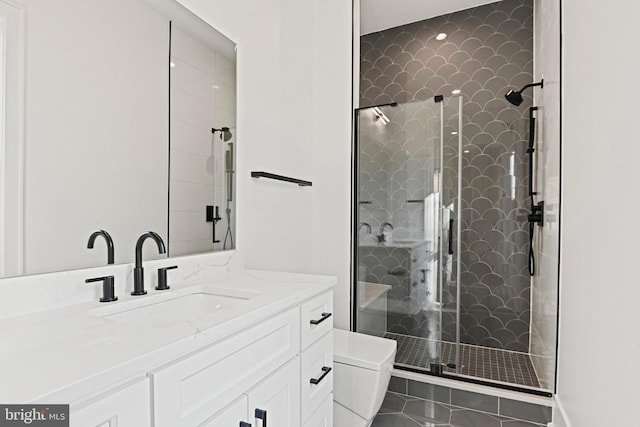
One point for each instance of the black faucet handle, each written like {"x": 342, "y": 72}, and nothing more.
{"x": 108, "y": 288}
{"x": 162, "y": 278}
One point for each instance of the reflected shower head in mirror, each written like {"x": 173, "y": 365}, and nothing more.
{"x": 225, "y": 133}
{"x": 515, "y": 97}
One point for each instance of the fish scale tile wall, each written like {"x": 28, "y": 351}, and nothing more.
{"x": 488, "y": 50}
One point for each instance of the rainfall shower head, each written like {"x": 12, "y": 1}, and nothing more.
{"x": 515, "y": 97}
{"x": 225, "y": 133}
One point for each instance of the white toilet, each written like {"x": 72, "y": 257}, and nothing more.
{"x": 362, "y": 370}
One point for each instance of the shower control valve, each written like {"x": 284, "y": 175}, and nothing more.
{"x": 537, "y": 214}
{"x": 213, "y": 217}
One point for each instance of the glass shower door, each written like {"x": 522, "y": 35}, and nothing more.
{"x": 451, "y": 225}
{"x": 401, "y": 265}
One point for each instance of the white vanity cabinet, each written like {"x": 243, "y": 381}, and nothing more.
{"x": 274, "y": 401}
{"x": 230, "y": 415}
{"x": 323, "y": 417}
{"x": 316, "y": 388}
{"x": 209, "y": 352}
{"x": 126, "y": 406}
{"x": 278, "y": 397}
{"x": 262, "y": 370}
{"x": 189, "y": 391}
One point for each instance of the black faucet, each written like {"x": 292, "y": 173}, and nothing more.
{"x": 107, "y": 237}
{"x": 138, "y": 271}
{"x": 108, "y": 292}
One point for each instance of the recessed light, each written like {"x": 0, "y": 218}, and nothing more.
{"x": 216, "y": 87}
{"x": 465, "y": 151}
{"x": 172, "y": 64}
{"x": 456, "y": 92}
{"x": 454, "y": 133}
{"x": 441, "y": 36}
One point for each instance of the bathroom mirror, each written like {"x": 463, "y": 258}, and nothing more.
{"x": 108, "y": 118}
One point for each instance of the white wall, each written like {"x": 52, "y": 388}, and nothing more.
{"x": 11, "y": 138}
{"x": 203, "y": 90}
{"x": 599, "y": 360}
{"x": 294, "y": 95}
{"x": 331, "y": 222}
{"x": 96, "y": 116}
{"x": 544, "y": 289}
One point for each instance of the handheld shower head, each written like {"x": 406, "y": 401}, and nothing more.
{"x": 515, "y": 97}
{"x": 225, "y": 133}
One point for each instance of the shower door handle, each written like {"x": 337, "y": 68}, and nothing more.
{"x": 451, "y": 237}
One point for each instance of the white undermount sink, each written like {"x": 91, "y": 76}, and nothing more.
{"x": 174, "y": 306}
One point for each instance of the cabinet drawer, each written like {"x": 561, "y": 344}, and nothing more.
{"x": 230, "y": 415}
{"x": 317, "y": 359}
{"x": 323, "y": 417}
{"x": 187, "y": 392}
{"x": 316, "y": 317}
{"x": 127, "y": 406}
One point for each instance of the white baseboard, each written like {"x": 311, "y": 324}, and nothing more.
{"x": 560, "y": 418}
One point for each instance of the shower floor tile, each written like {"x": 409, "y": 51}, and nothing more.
{"x": 481, "y": 362}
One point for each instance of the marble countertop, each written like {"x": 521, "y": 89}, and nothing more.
{"x": 54, "y": 356}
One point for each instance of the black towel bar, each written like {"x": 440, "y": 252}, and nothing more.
{"x": 300, "y": 182}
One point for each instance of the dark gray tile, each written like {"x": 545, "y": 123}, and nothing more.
{"x": 525, "y": 411}
{"x": 480, "y": 402}
{"x": 429, "y": 391}
{"x": 464, "y": 418}
{"x": 392, "y": 403}
{"x": 398, "y": 385}
{"x": 427, "y": 411}
{"x": 517, "y": 423}
{"x": 393, "y": 420}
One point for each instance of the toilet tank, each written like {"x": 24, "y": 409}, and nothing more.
{"x": 362, "y": 365}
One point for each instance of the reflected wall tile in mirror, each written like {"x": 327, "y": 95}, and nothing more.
{"x": 204, "y": 102}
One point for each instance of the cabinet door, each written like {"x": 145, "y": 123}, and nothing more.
{"x": 191, "y": 390}
{"x": 128, "y": 406}
{"x": 275, "y": 401}
{"x": 231, "y": 416}
{"x": 323, "y": 417}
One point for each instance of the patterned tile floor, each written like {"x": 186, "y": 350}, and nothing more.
{"x": 480, "y": 362}
{"x": 405, "y": 411}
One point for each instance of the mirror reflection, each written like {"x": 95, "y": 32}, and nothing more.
{"x": 109, "y": 125}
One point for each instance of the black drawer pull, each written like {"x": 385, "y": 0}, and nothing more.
{"x": 261, "y": 414}
{"x": 325, "y": 372}
{"x": 324, "y": 317}
{"x": 243, "y": 424}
